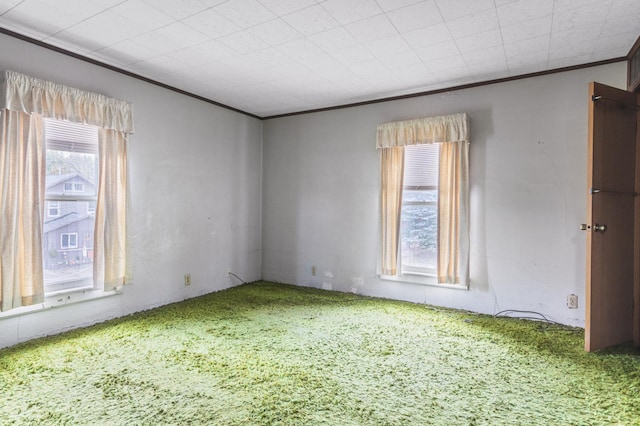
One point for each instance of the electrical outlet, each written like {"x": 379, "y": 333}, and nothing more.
{"x": 572, "y": 301}
{"x": 314, "y": 270}
{"x": 187, "y": 279}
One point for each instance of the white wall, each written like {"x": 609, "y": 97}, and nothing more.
{"x": 195, "y": 180}
{"x": 528, "y": 195}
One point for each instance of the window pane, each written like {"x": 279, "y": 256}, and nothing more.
{"x": 419, "y": 231}
{"x": 71, "y": 180}
{"x": 419, "y": 224}
{"x": 68, "y": 247}
{"x": 53, "y": 209}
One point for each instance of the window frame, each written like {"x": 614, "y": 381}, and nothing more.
{"x": 91, "y": 208}
{"x": 417, "y": 276}
{"x": 68, "y": 235}
{"x": 403, "y": 268}
{"x": 75, "y": 144}
{"x": 451, "y": 133}
{"x": 51, "y": 205}
{"x": 73, "y": 186}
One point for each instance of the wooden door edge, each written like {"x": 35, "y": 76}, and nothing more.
{"x": 587, "y": 310}
{"x": 636, "y": 248}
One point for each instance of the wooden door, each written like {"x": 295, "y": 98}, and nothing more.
{"x": 610, "y": 217}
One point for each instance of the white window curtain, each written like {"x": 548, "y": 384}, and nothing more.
{"x": 391, "y": 183}
{"x": 24, "y": 102}
{"x": 110, "y": 268}
{"x": 22, "y": 186}
{"x": 452, "y": 132}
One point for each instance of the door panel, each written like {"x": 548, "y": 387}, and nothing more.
{"x": 611, "y": 202}
{"x": 636, "y": 261}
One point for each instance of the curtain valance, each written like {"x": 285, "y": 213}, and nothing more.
{"x": 444, "y": 128}
{"x": 32, "y": 95}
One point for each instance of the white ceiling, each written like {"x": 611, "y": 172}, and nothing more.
{"x": 270, "y": 57}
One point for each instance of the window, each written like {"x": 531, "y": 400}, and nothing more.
{"x": 69, "y": 241}
{"x": 71, "y": 153}
{"x": 73, "y": 187}
{"x": 419, "y": 216}
{"x": 45, "y": 154}
{"x": 424, "y": 200}
{"x": 53, "y": 208}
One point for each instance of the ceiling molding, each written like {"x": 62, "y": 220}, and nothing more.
{"x": 451, "y": 89}
{"x": 121, "y": 71}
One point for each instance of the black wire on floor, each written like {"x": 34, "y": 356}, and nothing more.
{"x": 234, "y": 275}
{"x": 539, "y": 317}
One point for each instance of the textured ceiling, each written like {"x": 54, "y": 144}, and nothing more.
{"x": 269, "y": 57}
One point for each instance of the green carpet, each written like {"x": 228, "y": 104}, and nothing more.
{"x": 273, "y": 354}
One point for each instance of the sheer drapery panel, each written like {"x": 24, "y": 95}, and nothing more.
{"x": 21, "y": 209}
{"x": 392, "y": 166}
{"x": 110, "y": 261}
{"x": 453, "y": 213}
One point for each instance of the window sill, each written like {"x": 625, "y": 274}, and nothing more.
{"x": 69, "y": 291}
{"x": 423, "y": 279}
{"x": 61, "y": 298}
